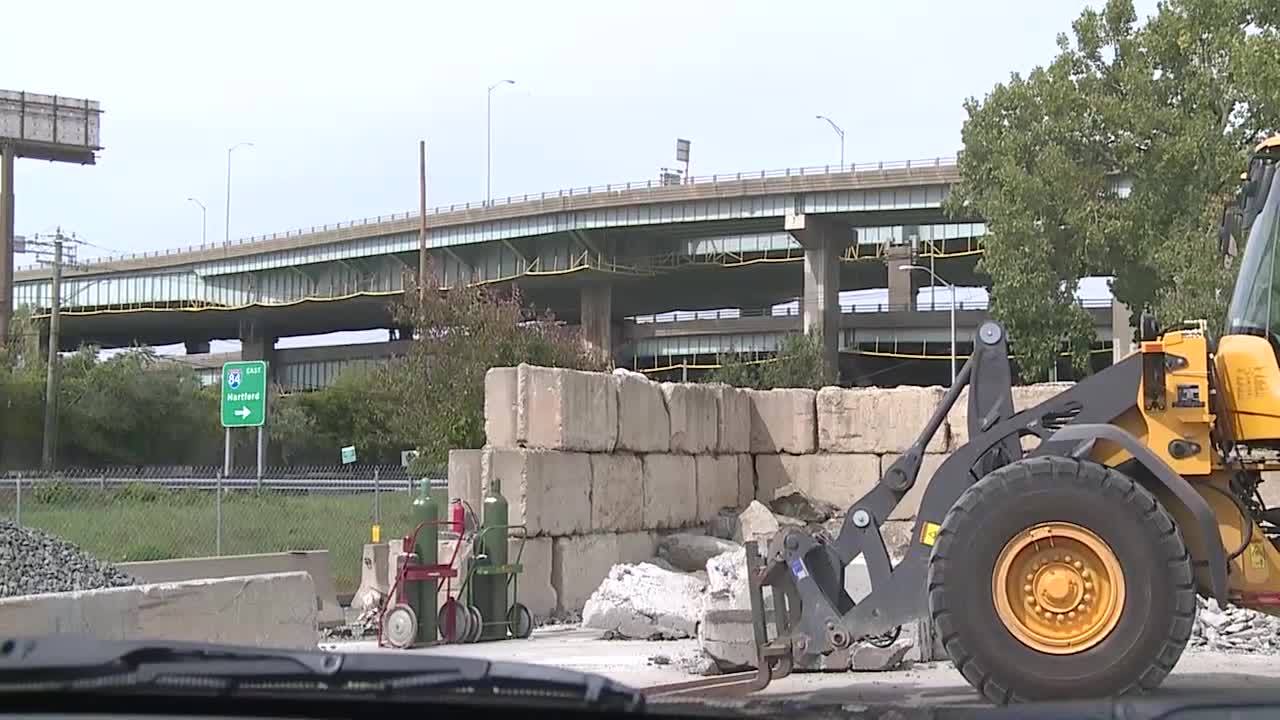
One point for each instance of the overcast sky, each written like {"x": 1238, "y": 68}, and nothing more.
{"x": 335, "y": 97}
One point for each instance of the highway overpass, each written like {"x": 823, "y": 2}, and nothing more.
{"x": 604, "y": 257}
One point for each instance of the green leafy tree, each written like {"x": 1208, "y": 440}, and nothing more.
{"x": 461, "y": 332}
{"x": 1115, "y": 159}
{"x": 797, "y": 364}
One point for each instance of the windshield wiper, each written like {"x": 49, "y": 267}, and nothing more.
{"x": 75, "y": 662}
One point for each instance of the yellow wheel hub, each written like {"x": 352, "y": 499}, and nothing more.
{"x": 1058, "y": 588}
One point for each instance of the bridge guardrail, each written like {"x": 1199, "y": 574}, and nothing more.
{"x": 943, "y": 305}
{"x": 634, "y": 185}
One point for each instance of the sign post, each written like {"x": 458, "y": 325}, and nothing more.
{"x": 244, "y": 403}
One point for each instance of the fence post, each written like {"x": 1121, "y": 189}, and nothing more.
{"x": 17, "y": 507}
{"x": 377, "y": 500}
{"x": 217, "y": 504}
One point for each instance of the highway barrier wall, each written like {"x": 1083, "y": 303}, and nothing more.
{"x": 276, "y": 610}
{"x": 599, "y": 466}
{"x": 312, "y": 562}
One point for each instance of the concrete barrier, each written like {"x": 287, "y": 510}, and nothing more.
{"x": 312, "y": 562}
{"x": 275, "y": 610}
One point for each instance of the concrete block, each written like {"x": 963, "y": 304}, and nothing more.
{"x": 465, "y": 475}
{"x": 536, "y": 591}
{"x": 579, "y": 563}
{"x": 670, "y": 491}
{"x": 906, "y": 510}
{"x": 643, "y": 423}
{"x": 500, "y": 402}
{"x": 746, "y": 480}
{"x": 734, "y": 411}
{"x": 549, "y": 491}
{"x": 314, "y": 562}
{"x": 695, "y": 414}
{"x": 563, "y": 409}
{"x": 783, "y": 421}
{"x": 375, "y": 574}
{"x": 717, "y": 484}
{"x": 275, "y": 610}
{"x": 634, "y": 547}
{"x": 836, "y": 478}
{"x": 876, "y": 420}
{"x": 617, "y": 492}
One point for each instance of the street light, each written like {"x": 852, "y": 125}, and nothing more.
{"x": 226, "y": 229}
{"x": 204, "y": 221}
{"x": 839, "y": 132}
{"x": 952, "y": 288}
{"x": 488, "y": 137}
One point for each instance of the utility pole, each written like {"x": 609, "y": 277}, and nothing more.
{"x": 488, "y": 140}
{"x": 49, "y": 449}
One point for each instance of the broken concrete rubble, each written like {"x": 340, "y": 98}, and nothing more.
{"x": 757, "y": 523}
{"x": 645, "y": 602}
{"x": 803, "y": 507}
{"x": 690, "y": 552}
{"x": 869, "y": 658}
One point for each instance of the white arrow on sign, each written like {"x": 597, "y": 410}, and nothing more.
{"x": 243, "y": 412}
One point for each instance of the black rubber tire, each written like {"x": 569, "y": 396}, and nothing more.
{"x": 1160, "y": 597}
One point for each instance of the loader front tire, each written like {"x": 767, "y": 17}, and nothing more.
{"x": 1053, "y": 578}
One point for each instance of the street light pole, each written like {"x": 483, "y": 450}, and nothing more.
{"x": 226, "y": 229}
{"x": 488, "y": 138}
{"x": 204, "y": 221}
{"x": 839, "y": 132}
{"x": 952, "y": 288}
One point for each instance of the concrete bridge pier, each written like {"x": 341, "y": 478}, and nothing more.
{"x": 258, "y": 343}
{"x": 904, "y": 284}
{"x": 195, "y": 347}
{"x": 597, "y": 318}
{"x": 823, "y": 241}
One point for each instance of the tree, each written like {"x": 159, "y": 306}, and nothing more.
{"x": 1168, "y": 108}
{"x": 461, "y": 332}
{"x": 798, "y": 363}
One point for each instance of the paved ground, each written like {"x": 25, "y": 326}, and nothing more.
{"x": 927, "y": 684}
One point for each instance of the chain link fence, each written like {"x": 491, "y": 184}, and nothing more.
{"x": 157, "y": 513}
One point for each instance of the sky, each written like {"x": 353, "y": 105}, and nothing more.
{"x": 336, "y": 96}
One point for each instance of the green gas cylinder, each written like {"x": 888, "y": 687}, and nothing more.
{"x": 491, "y": 577}
{"x": 422, "y": 594}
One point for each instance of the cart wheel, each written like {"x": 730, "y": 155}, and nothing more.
{"x": 520, "y": 620}
{"x": 400, "y": 626}
{"x": 453, "y": 621}
{"x": 477, "y": 624}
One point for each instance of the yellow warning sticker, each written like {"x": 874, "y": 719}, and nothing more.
{"x": 929, "y": 535}
{"x": 1257, "y": 556}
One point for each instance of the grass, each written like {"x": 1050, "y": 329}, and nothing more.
{"x": 147, "y": 523}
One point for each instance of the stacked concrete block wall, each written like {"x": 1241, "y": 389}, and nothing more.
{"x": 597, "y": 467}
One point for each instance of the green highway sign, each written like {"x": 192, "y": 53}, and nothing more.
{"x": 348, "y": 454}
{"x": 244, "y": 394}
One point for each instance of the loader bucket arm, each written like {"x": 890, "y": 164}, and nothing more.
{"x": 805, "y": 571}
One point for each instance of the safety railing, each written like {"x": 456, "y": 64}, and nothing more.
{"x": 793, "y": 310}
{"x": 572, "y": 192}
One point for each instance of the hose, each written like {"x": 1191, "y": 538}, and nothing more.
{"x": 1244, "y": 516}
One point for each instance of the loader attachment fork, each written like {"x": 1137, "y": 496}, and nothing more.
{"x": 812, "y": 612}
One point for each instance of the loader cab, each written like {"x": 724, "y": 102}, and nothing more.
{"x": 1247, "y": 362}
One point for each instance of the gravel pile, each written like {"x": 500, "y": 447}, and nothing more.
{"x": 1234, "y": 629}
{"x": 34, "y": 562}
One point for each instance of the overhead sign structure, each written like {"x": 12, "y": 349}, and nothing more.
{"x": 244, "y": 394}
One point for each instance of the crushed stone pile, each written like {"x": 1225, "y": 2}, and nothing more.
{"x": 34, "y": 562}
{"x": 1234, "y": 630}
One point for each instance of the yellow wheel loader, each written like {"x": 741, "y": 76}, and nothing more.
{"x": 1071, "y": 569}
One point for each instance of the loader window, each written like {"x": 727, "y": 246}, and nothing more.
{"x": 1255, "y": 303}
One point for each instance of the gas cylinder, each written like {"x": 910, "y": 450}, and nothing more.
{"x": 457, "y": 516}
{"x": 491, "y": 590}
{"x": 422, "y": 594}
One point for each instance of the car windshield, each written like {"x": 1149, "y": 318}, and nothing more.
{"x": 1255, "y": 304}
